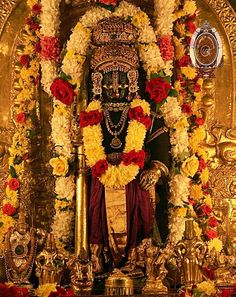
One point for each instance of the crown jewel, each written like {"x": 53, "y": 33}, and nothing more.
{"x": 114, "y": 30}
{"x": 114, "y": 58}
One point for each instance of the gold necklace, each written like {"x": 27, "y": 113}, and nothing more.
{"x": 116, "y": 143}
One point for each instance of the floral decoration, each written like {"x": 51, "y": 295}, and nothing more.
{"x": 133, "y": 155}
{"x": 24, "y": 114}
{"x": 9, "y": 290}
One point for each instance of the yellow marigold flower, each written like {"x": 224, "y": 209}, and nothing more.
{"x": 94, "y": 105}
{"x": 181, "y": 124}
{"x": 180, "y": 28}
{"x": 178, "y": 85}
{"x": 200, "y": 81}
{"x": 70, "y": 54}
{"x": 60, "y": 166}
{"x": 140, "y": 19}
{"x": 31, "y": 105}
{"x": 45, "y": 290}
{"x": 208, "y": 200}
{"x": 190, "y": 7}
{"x": 29, "y": 49}
{"x": 215, "y": 243}
{"x": 19, "y": 168}
{"x": 11, "y": 161}
{"x": 144, "y": 104}
{"x": 189, "y": 72}
{"x": 179, "y": 14}
{"x": 197, "y": 229}
{"x": 202, "y": 153}
{"x": 196, "y": 192}
{"x": 204, "y": 176}
{"x": 207, "y": 287}
{"x": 31, "y": 3}
{"x": 11, "y": 194}
{"x": 190, "y": 166}
{"x": 80, "y": 28}
{"x": 181, "y": 212}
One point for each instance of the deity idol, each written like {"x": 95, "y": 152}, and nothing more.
{"x": 126, "y": 145}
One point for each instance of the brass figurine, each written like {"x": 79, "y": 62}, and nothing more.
{"x": 20, "y": 251}
{"x": 190, "y": 252}
{"x": 155, "y": 260}
{"x": 49, "y": 263}
{"x": 81, "y": 275}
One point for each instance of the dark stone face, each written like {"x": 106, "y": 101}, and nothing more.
{"x": 115, "y": 86}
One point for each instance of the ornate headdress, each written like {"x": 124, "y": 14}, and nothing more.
{"x": 114, "y": 40}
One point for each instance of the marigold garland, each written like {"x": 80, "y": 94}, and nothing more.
{"x": 111, "y": 175}
{"x": 24, "y": 114}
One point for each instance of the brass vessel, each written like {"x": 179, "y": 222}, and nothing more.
{"x": 190, "y": 252}
{"x": 119, "y": 284}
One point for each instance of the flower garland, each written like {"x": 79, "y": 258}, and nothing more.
{"x": 49, "y": 41}
{"x": 24, "y": 118}
{"x": 189, "y": 87}
{"x": 133, "y": 155}
{"x": 68, "y": 84}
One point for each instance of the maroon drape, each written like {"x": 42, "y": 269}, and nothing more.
{"x": 139, "y": 214}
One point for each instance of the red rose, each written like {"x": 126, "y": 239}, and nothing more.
{"x": 191, "y": 27}
{"x": 234, "y": 287}
{"x": 205, "y": 210}
{"x": 134, "y": 157}
{"x": 36, "y": 9}
{"x": 186, "y": 108}
{"x": 21, "y": 118}
{"x": 63, "y": 91}
{"x": 14, "y": 184}
{"x": 8, "y": 209}
{"x": 212, "y": 222}
{"x": 99, "y": 168}
{"x": 199, "y": 121}
{"x": 211, "y": 234}
{"x": 197, "y": 88}
{"x": 24, "y": 60}
{"x": 184, "y": 61}
{"x": 158, "y": 89}
{"x": 108, "y": 2}
{"x": 136, "y": 113}
{"x": 93, "y": 117}
{"x": 202, "y": 165}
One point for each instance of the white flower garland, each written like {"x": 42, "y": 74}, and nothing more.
{"x": 150, "y": 55}
{"x": 50, "y": 27}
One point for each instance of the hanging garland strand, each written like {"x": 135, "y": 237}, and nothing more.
{"x": 24, "y": 115}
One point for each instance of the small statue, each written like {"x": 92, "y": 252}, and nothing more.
{"x": 20, "y": 251}
{"x": 155, "y": 260}
{"x": 81, "y": 275}
{"x": 224, "y": 274}
{"x": 49, "y": 263}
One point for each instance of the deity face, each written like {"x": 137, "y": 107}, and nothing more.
{"x": 115, "y": 86}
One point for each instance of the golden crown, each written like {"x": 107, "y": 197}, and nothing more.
{"x": 115, "y": 58}
{"x": 114, "y": 30}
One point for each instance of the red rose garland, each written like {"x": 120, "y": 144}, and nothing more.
{"x": 158, "y": 88}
